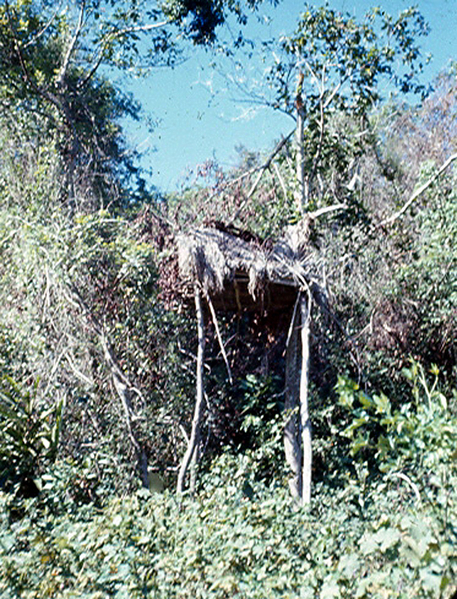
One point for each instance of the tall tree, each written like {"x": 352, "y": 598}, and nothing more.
{"x": 332, "y": 68}
{"x": 51, "y": 60}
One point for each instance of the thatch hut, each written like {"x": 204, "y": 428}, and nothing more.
{"x": 232, "y": 271}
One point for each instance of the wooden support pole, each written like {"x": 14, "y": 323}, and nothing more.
{"x": 192, "y": 448}
{"x": 305, "y": 423}
{"x": 219, "y": 336}
{"x": 297, "y": 430}
{"x": 292, "y": 436}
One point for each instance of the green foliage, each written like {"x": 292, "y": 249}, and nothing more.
{"x": 48, "y": 260}
{"x": 331, "y": 71}
{"x": 429, "y": 278}
{"x": 263, "y": 425}
{"x": 390, "y": 534}
{"x": 349, "y": 59}
{"x": 49, "y": 84}
{"x": 29, "y": 435}
{"x": 416, "y": 437}
{"x": 362, "y": 541}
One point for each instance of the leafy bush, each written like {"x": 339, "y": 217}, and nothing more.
{"x": 417, "y": 436}
{"x": 351, "y": 544}
{"x": 389, "y": 534}
{"x": 29, "y": 435}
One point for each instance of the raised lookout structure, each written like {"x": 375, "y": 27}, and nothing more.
{"x": 232, "y": 271}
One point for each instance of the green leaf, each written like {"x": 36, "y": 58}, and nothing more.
{"x": 368, "y": 544}
{"x": 382, "y": 404}
{"x": 117, "y": 520}
{"x": 387, "y": 538}
{"x": 330, "y": 590}
{"x": 431, "y": 581}
{"x": 365, "y": 400}
{"x": 349, "y": 564}
{"x": 359, "y": 443}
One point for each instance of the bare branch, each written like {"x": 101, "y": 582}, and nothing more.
{"x": 261, "y": 170}
{"x": 419, "y": 191}
{"x": 121, "y": 383}
{"x": 71, "y": 46}
{"x": 218, "y": 335}
{"x": 332, "y": 95}
{"x": 281, "y": 180}
{"x": 326, "y": 209}
{"x": 42, "y": 31}
{"x": 407, "y": 480}
{"x": 77, "y": 372}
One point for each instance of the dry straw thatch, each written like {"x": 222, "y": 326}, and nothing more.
{"x": 241, "y": 274}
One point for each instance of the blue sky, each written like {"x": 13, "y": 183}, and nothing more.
{"x": 200, "y": 115}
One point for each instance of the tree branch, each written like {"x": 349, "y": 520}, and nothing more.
{"x": 41, "y": 32}
{"x": 71, "y": 46}
{"x": 418, "y": 192}
{"x": 109, "y": 38}
{"x": 281, "y": 180}
{"x": 261, "y": 170}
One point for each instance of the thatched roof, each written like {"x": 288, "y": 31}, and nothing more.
{"x": 240, "y": 274}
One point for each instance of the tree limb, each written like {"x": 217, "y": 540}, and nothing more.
{"x": 281, "y": 180}
{"x": 71, "y": 46}
{"x": 42, "y": 31}
{"x": 407, "y": 480}
{"x": 261, "y": 169}
{"x": 418, "y": 192}
{"x": 109, "y": 38}
{"x": 325, "y": 210}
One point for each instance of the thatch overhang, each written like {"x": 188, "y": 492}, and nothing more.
{"x": 245, "y": 275}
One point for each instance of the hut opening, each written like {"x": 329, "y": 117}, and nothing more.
{"x": 226, "y": 271}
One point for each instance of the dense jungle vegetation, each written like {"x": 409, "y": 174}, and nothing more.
{"x": 98, "y": 338}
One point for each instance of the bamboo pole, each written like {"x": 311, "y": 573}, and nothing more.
{"x": 198, "y": 410}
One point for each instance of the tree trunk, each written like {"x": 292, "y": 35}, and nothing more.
{"x": 123, "y": 390}
{"x": 192, "y": 448}
{"x": 300, "y": 197}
